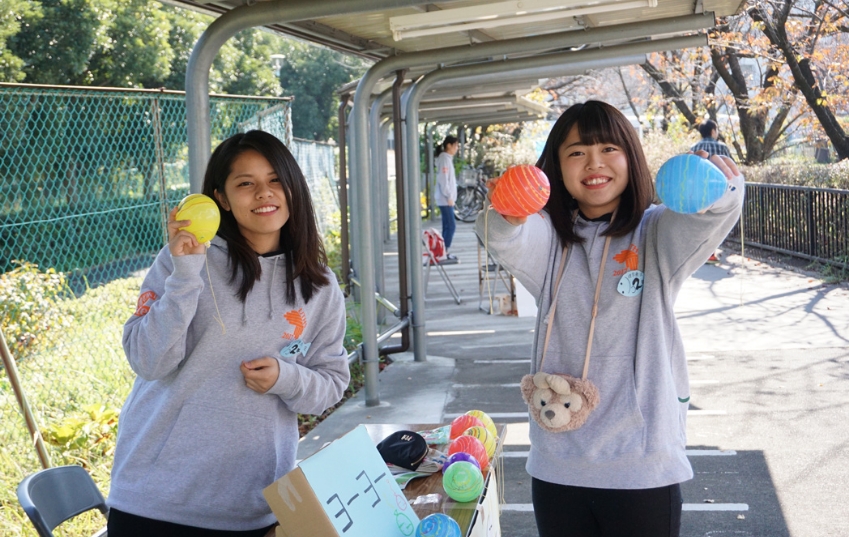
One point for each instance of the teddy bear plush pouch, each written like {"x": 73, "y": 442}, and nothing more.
{"x": 559, "y": 402}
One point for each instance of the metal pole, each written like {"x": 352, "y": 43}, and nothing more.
{"x": 380, "y": 196}
{"x": 383, "y": 177}
{"x": 566, "y": 62}
{"x": 359, "y": 148}
{"x": 343, "y": 192}
{"x": 400, "y": 199}
{"x": 15, "y": 381}
{"x": 431, "y": 203}
{"x": 226, "y": 26}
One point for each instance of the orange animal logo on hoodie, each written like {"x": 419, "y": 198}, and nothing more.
{"x": 630, "y": 258}
{"x": 297, "y": 319}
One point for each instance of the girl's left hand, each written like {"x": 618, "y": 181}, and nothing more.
{"x": 728, "y": 167}
{"x": 260, "y": 374}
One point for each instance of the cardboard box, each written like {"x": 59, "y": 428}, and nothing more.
{"x": 487, "y": 523}
{"x": 343, "y": 490}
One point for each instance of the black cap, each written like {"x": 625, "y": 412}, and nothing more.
{"x": 406, "y": 449}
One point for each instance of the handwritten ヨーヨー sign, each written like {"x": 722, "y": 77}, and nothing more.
{"x": 356, "y": 489}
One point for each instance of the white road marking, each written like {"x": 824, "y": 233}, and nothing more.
{"x": 690, "y": 453}
{"x": 707, "y": 412}
{"x": 529, "y": 507}
{"x": 495, "y": 415}
{"x": 514, "y": 385}
{"x": 493, "y": 346}
{"x": 716, "y": 507}
{"x": 502, "y": 361}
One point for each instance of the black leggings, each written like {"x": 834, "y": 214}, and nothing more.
{"x": 564, "y": 511}
{"x": 123, "y": 524}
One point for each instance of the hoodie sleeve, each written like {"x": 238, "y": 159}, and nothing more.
{"x": 317, "y": 381}
{"x": 155, "y": 336}
{"x": 524, "y": 249}
{"x": 685, "y": 241}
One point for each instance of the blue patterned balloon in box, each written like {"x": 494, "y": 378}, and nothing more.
{"x": 689, "y": 183}
{"x": 438, "y": 525}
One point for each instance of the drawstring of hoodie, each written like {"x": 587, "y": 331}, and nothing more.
{"x": 270, "y": 285}
{"x": 271, "y": 309}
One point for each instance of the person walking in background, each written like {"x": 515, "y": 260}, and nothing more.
{"x": 710, "y": 145}
{"x": 446, "y": 191}
{"x": 622, "y": 261}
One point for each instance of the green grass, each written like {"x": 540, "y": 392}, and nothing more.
{"x": 76, "y": 379}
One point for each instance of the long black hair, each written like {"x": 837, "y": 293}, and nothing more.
{"x": 299, "y": 238}
{"x": 597, "y": 123}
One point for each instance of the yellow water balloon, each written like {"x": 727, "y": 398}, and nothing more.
{"x": 486, "y": 420}
{"x": 487, "y": 439}
{"x": 204, "y": 215}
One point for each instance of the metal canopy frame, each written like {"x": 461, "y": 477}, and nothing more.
{"x": 436, "y": 80}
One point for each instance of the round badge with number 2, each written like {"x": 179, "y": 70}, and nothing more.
{"x": 631, "y": 283}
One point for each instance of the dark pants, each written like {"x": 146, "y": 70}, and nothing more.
{"x": 448, "y": 224}
{"x": 123, "y": 524}
{"x": 564, "y": 511}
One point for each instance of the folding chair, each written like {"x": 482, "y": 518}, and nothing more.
{"x": 54, "y": 495}
{"x": 490, "y": 272}
{"x": 432, "y": 262}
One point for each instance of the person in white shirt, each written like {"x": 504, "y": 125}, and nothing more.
{"x": 446, "y": 189}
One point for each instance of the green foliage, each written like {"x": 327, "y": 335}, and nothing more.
{"x": 75, "y": 385}
{"x": 28, "y": 307}
{"x": 134, "y": 51}
{"x": 244, "y": 65}
{"x": 95, "y": 429}
{"x": 12, "y": 14}
{"x": 312, "y": 75}
{"x": 124, "y": 43}
{"x": 56, "y": 43}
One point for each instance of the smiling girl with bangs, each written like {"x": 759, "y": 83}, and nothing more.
{"x": 614, "y": 264}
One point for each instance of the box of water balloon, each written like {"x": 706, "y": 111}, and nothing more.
{"x": 689, "y": 183}
{"x": 343, "y": 489}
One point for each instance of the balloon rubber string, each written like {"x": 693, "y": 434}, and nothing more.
{"x": 486, "y": 251}
{"x": 211, "y": 290}
{"x": 742, "y": 249}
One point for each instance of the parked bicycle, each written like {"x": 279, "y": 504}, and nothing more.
{"x": 472, "y": 198}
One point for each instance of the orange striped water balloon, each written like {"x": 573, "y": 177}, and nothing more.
{"x": 522, "y": 191}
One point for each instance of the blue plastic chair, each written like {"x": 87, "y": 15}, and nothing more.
{"x": 52, "y": 496}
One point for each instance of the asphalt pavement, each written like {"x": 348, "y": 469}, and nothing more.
{"x": 768, "y": 426}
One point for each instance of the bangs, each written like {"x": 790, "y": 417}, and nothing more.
{"x": 598, "y": 126}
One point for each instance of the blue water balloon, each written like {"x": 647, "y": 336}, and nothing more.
{"x": 438, "y": 525}
{"x": 689, "y": 183}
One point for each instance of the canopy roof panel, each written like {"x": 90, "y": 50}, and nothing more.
{"x": 380, "y": 34}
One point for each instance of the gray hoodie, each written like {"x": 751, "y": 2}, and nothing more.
{"x": 195, "y": 445}
{"x": 636, "y": 437}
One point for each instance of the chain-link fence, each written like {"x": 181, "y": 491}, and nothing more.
{"x": 86, "y": 177}
{"x": 318, "y": 162}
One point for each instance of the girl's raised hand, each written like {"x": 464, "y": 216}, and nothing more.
{"x": 514, "y": 220}
{"x": 181, "y": 242}
{"x": 728, "y": 166}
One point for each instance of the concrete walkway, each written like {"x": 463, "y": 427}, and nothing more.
{"x": 769, "y": 363}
